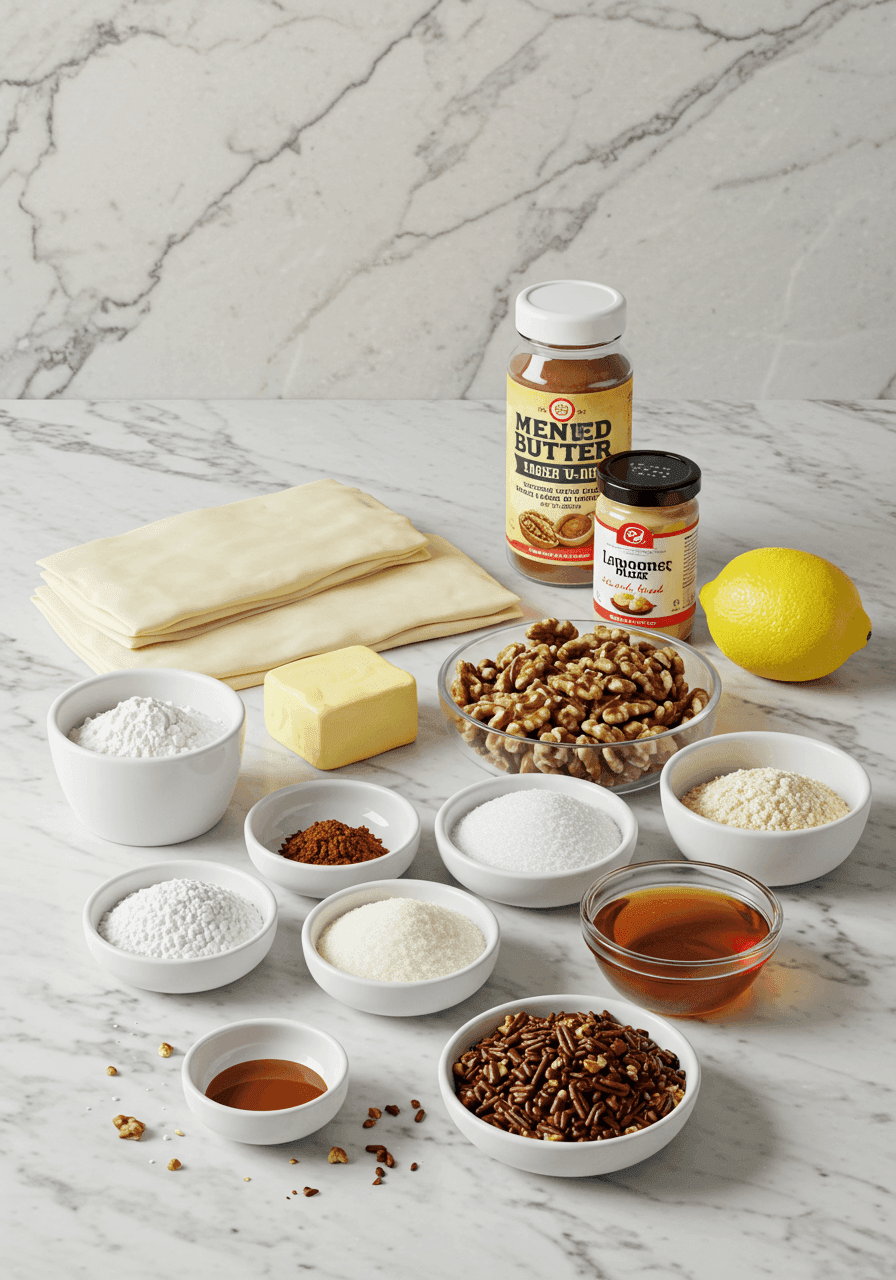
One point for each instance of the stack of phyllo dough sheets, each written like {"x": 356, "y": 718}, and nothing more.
{"x": 236, "y": 590}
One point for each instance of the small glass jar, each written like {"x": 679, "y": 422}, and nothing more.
{"x": 569, "y": 404}
{"x": 645, "y": 542}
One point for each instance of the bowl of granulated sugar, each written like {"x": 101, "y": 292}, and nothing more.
{"x": 780, "y": 807}
{"x": 534, "y": 840}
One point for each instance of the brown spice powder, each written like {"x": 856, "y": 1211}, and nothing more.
{"x": 331, "y": 844}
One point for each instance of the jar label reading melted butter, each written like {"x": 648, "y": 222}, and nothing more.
{"x": 554, "y": 445}
{"x": 644, "y": 575}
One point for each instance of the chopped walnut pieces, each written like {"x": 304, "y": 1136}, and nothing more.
{"x": 165, "y": 1050}
{"x": 174, "y": 1164}
{"x": 419, "y": 1116}
{"x": 374, "y": 1113}
{"x": 573, "y": 694}
{"x": 393, "y": 1111}
{"x": 337, "y": 1156}
{"x": 293, "y": 1160}
{"x": 368, "y": 1123}
{"x": 129, "y": 1127}
{"x": 414, "y": 1167}
{"x": 111, "y": 1071}
{"x": 415, "y": 1105}
{"x": 310, "y": 1191}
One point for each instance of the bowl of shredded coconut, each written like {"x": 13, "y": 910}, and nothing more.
{"x": 148, "y": 757}
{"x": 534, "y": 840}
{"x": 180, "y": 926}
{"x": 780, "y": 807}
{"x": 400, "y": 947}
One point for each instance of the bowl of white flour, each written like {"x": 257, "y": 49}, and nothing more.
{"x": 148, "y": 757}
{"x": 180, "y": 926}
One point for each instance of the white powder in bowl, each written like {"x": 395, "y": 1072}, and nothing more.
{"x": 401, "y": 940}
{"x": 147, "y": 727}
{"x": 180, "y": 920}
{"x": 766, "y": 800}
{"x": 541, "y": 831}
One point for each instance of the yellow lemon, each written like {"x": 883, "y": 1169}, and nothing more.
{"x": 785, "y": 614}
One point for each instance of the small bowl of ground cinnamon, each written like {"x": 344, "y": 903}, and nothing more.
{"x": 329, "y": 834}
{"x": 780, "y": 807}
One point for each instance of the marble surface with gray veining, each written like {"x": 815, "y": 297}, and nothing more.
{"x": 785, "y": 1168}
{"x": 282, "y": 198}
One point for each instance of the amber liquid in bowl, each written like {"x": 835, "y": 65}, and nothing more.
{"x": 681, "y": 924}
{"x": 266, "y": 1084}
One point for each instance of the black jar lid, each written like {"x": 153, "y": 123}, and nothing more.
{"x": 648, "y": 478}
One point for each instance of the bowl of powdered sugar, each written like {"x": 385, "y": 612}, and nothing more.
{"x": 534, "y": 840}
{"x": 778, "y": 806}
{"x": 180, "y": 926}
{"x": 148, "y": 757}
{"x": 400, "y": 947}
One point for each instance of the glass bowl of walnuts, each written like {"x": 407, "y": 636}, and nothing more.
{"x": 600, "y": 703}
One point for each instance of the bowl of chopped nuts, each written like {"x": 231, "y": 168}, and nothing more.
{"x": 598, "y": 703}
{"x": 548, "y": 1085}
{"x": 324, "y": 835}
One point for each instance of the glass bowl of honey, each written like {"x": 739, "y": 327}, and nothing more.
{"x": 681, "y": 938}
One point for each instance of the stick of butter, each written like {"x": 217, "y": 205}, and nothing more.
{"x": 339, "y": 707}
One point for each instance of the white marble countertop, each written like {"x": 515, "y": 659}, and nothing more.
{"x": 781, "y": 1171}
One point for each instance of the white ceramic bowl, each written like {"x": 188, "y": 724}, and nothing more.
{"x": 358, "y": 804}
{"x": 181, "y": 976}
{"x": 265, "y": 1038}
{"x": 570, "y": 1159}
{"x": 773, "y": 857}
{"x": 154, "y": 800}
{"x": 400, "y": 999}
{"x": 499, "y": 752}
{"x": 532, "y": 888}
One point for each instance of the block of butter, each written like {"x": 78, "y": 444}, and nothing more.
{"x": 339, "y": 707}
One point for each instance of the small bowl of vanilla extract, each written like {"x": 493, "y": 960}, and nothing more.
{"x": 265, "y": 1080}
{"x": 680, "y": 938}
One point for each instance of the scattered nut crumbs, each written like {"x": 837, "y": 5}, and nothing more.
{"x": 293, "y": 1160}
{"x": 419, "y": 1116}
{"x": 129, "y": 1127}
{"x": 380, "y": 1173}
{"x": 174, "y": 1164}
{"x": 165, "y": 1050}
{"x": 374, "y": 1113}
{"x": 368, "y": 1123}
{"x": 179, "y": 1132}
{"x": 393, "y": 1111}
{"x": 310, "y": 1191}
{"x": 390, "y": 1160}
{"x": 337, "y": 1156}
{"x": 247, "y": 1179}
{"x": 376, "y": 1182}
{"x": 414, "y": 1167}
{"x": 111, "y": 1071}
{"x": 415, "y": 1105}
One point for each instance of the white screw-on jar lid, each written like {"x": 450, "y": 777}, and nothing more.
{"x": 570, "y": 313}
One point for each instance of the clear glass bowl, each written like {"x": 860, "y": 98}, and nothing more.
{"x": 721, "y": 953}
{"x": 621, "y": 766}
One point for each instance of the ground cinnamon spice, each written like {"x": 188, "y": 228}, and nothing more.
{"x": 331, "y": 844}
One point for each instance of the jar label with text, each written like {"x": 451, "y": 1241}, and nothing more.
{"x": 645, "y": 576}
{"x": 554, "y": 446}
